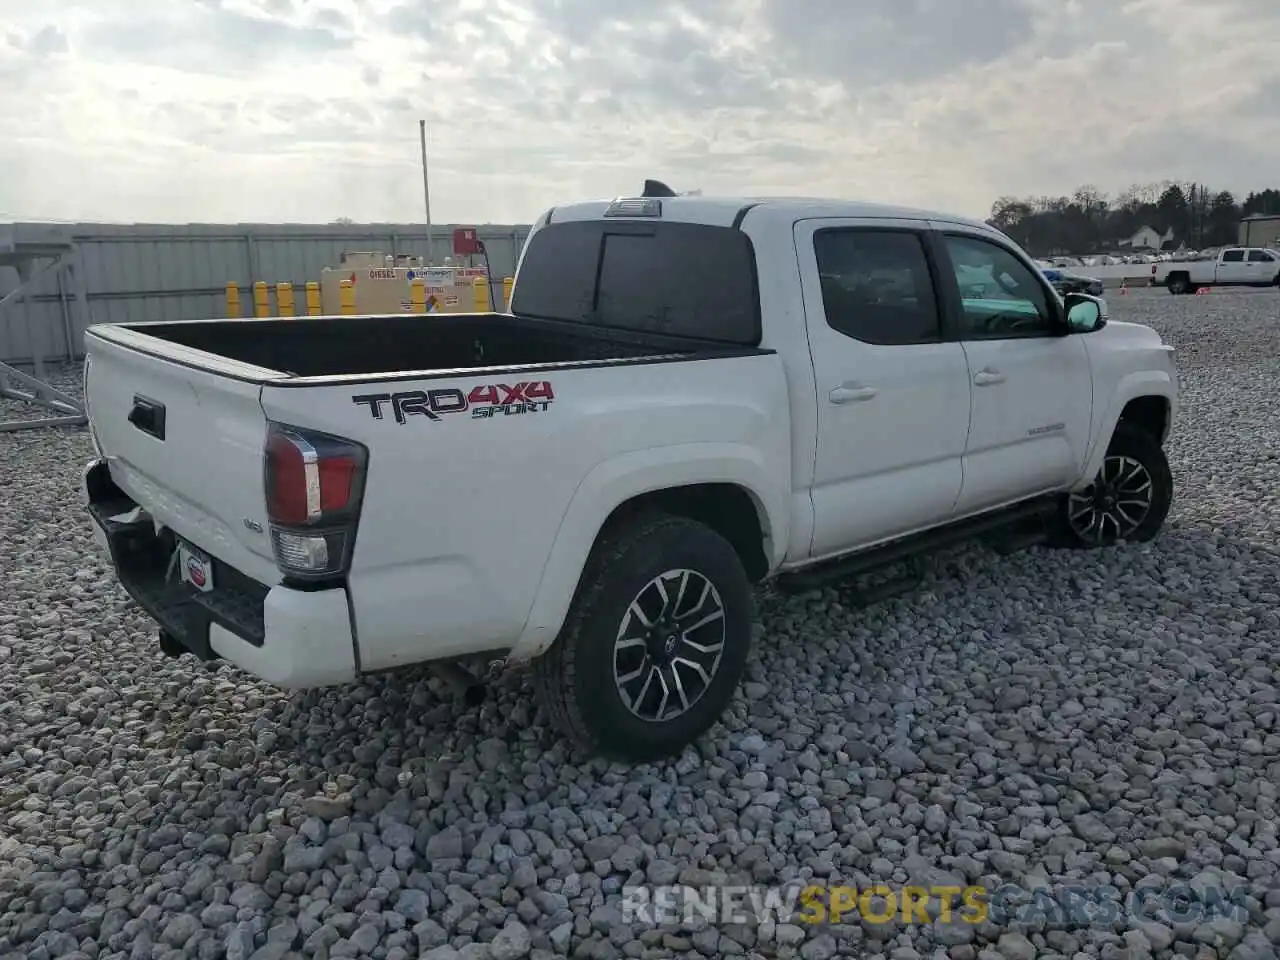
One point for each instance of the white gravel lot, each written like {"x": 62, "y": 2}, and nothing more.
{"x": 1054, "y": 720}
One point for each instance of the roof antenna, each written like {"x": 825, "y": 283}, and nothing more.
{"x": 656, "y": 188}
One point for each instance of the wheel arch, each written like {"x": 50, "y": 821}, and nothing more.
{"x": 1145, "y": 399}
{"x": 1151, "y": 412}
{"x": 725, "y": 486}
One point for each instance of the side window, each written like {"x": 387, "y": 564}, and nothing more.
{"x": 1233, "y": 256}
{"x": 999, "y": 296}
{"x": 1260, "y": 256}
{"x": 876, "y": 286}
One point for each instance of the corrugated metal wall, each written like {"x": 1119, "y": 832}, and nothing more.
{"x": 145, "y": 272}
{"x": 1259, "y": 232}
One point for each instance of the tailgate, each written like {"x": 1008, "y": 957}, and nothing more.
{"x": 187, "y": 445}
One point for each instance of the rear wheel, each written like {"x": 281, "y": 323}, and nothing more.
{"x": 1129, "y": 499}
{"x": 655, "y": 643}
{"x": 1179, "y": 284}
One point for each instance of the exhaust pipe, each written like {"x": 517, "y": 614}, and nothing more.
{"x": 463, "y": 681}
{"x": 170, "y": 646}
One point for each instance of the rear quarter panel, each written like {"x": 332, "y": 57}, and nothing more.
{"x": 470, "y": 518}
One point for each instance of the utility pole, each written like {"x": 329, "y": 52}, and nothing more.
{"x": 1192, "y": 222}
{"x": 426, "y": 191}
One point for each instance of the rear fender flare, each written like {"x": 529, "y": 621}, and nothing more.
{"x": 615, "y": 481}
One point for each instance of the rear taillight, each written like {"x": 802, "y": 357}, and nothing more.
{"x": 314, "y": 483}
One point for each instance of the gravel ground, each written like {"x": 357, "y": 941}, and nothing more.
{"x": 1052, "y": 720}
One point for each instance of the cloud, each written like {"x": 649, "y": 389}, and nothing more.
{"x": 308, "y": 109}
{"x": 213, "y": 38}
{"x": 46, "y": 42}
{"x": 895, "y": 40}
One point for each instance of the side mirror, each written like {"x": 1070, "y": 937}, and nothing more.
{"x": 1084, "y": 313}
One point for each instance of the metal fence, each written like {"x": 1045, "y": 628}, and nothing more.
{"x": 142, "y": 272}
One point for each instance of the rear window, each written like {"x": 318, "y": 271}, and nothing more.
{"x": 681, "y": 279}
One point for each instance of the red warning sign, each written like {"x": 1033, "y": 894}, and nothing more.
{"x": 465, "y": 242}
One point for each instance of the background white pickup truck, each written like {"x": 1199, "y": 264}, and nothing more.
{"x": 690, "y": 395}
{"x": 1233, "y": 266}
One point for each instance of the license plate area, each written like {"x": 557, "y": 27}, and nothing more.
{"x": 195, "y": 567}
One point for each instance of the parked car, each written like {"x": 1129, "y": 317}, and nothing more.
{"x": 1066, "y": 282}
{"x": 1232, "y": 267}
{"x": 594, "y": 481}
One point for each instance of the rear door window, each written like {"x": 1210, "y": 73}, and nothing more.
{"x": 876, "y": 286}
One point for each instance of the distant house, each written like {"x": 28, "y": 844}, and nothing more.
{"x": 1148, "y": 239}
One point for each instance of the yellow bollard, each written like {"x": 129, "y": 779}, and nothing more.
{"x": 233, "y": 300}
{"x": 481, "y": 287}
{"x": 261, "y": 300}
{"x": 313, "y": 299}
{"x": 418, "y": 296}
{"x": 347, "y": 299}
{"x": 507, "y": 284}
{"x": 284, "y": 299}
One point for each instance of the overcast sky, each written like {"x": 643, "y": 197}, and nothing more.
{"x": 307, "y": 110}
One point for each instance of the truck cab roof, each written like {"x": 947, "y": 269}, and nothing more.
{"x": 728, "y": 211}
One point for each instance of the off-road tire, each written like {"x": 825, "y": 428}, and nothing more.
{"x": 575, "y": 678}
{"x": 1129, "y": 440}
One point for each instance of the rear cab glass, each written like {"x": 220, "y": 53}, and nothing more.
{"x": 678, "y": 279}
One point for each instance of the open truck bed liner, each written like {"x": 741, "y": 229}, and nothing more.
{"x": 384, "y": 346}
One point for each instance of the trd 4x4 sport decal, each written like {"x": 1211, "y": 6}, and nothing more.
{"x": 484, "y": 402}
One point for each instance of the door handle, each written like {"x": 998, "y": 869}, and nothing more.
{"x": 852, "y": 394}
{"x": 985, "y": 378}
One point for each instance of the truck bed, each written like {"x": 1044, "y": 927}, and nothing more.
{"x": 396, "y": 343}
{"x": 475, "y": 434}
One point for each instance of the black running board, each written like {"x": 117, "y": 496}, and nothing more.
{"x": 1017, "y": 540}
{"x": 865, "y": 594}
{"x": 1031, "y": 513}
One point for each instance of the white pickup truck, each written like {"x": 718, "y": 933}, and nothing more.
{"x": 689, "y": 395}
{"x": 1232, "y": 267}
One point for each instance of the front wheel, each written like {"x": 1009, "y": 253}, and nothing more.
{"x": 655, "y": 642}
{"x": 1129, "y": 499}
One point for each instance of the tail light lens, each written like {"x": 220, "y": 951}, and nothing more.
{"x": 314, "y": 484}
